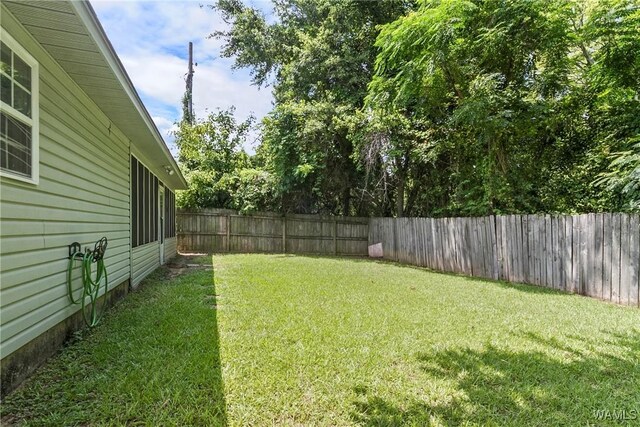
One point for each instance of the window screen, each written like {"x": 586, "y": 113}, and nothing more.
{"x": 169, "y": 213}
{"x": 144, "y": 204}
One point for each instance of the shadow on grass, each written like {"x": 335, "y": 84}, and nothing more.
{"x": 182, "y": 260}
{"x": 197, "y": 389}
{"x": 494, "y": 386}
{"x": 218, "y": 396}
{"x": 155, "y": 360}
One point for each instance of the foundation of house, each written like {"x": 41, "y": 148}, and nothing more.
{"x": 17, "y": 366}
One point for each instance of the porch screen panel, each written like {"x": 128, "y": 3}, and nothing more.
{"x": 169, "y": 213}
{"x": 134, "y": 204}
{"x": 144, "y": 204}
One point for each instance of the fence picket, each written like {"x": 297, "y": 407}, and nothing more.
{"x": 625, "y": 259}
{"x": 634, "y": 252}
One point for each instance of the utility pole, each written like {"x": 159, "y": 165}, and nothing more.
{"x": 190, "y": 84}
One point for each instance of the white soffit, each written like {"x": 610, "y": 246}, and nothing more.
{"x": 71, "y": 33}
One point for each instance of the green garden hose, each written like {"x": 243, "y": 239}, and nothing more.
{"x": 90, "y": 287}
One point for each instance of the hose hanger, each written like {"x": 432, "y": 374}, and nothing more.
{"x": 90, "y": 285}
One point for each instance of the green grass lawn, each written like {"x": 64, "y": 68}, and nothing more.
{"x": 286, "y": 340}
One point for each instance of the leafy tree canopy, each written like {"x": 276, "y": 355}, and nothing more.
{"x": 318, "y": 55}
{"x": 219, "y": 172}
{"x": 431, "y": 108}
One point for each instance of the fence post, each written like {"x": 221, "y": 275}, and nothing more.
{"x": 284, "y": 234}
{"x": 228, "y": 233}
{"x": 335, "y": 236}
{"x": 395, "y": 239}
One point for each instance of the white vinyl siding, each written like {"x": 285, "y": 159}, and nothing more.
{"x": 83, "y": 194}
{"x": 170, "y": 247}
{"x": 144, "y": 260}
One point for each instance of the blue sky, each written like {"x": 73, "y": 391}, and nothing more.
{"x": 151, "y": 39}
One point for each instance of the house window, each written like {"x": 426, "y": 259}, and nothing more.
{"x": 18, "y": 112}
{"x": 169, "y": 213}
{"x": 144, "y": 204}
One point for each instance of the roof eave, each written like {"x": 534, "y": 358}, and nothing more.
{"x": 89, "y": 18}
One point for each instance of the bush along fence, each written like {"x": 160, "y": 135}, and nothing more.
{"x": 597, "y": 255}
{"x": 215, "y": 231}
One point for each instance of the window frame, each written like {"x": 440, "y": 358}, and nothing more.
{"x": 34, "y": 120}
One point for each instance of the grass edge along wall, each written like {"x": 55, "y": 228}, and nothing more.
{"x": 80, "y": 183}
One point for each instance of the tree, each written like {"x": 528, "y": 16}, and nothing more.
{"x": 319, "y": 57}
{"x": 501, "y": 99}
{"x": 219, "y": 172}
{"x": 614, "y": 77}
{"x": 444, "y": 107}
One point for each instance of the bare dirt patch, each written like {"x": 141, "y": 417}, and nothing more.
{"x": 183, "y": 263}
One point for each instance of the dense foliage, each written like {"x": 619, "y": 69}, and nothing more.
{"x": 519, "y": 105}
{"x": 441, "y": 107}
{"x": 219, "y": 172}
{"x": 319, "y": 56}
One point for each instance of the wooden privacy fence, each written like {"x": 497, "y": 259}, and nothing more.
{"x": 597, "y": 255}
{"x": 223, "y": 231}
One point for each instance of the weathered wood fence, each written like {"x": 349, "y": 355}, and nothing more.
{"x": 597, "y": 255}
{"x": 214, "y": 231}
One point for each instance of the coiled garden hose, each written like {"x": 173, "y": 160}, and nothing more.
{"x": 90, "y": 287}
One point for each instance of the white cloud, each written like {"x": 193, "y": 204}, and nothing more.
{"x": 151, "y": 39}
{"x": 162, "y": 122}
{"x": 161, "y": 77}
{"x": 162, "y": 23}
{"x": 214, "y": 87}
{"x": 167, "y": 128}
{"x": 156, "y": 75}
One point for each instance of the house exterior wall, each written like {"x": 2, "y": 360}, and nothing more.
{"x": 145, "y": 259}
{"x": 170, "y": 247}
{"x": 83, "y": 194}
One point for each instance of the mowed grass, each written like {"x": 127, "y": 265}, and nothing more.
{"x": 153, "y": 360}
{"x": 286, "y": 340}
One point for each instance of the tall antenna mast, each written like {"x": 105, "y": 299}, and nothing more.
{"x": 190, "y": 84}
